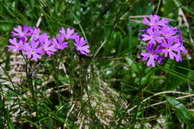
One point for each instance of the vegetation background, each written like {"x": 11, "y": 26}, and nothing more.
{"x": 111, "y": 88}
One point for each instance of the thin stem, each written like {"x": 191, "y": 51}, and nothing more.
{"x": 80, "y": 26}
{"x": 39, "y": 20}
{"x": 163, "y": 102}
{"x": 97, "y": 51}
{"x": 157, "y": 94}
{"x": 158, "y": 7}
{"x": 143, "y": 16}
{"x": 9, "y": 78}
{"x": 26, "y": 67}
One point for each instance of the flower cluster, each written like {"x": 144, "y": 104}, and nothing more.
{"x": 34, "y": 44}
{"x": 162, "y": 41}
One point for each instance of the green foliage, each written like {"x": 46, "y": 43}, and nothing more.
{"x": 111, "y": 88}
{"x": 181, "y": 111}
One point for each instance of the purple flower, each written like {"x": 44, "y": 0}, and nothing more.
{"x": 154, "y": 21}
{"x": 170, "y": 49}
{"x": 164, "y": 41}
{"x": 22, "y": 32}
{"x": 68, "y": 33}
{"x": 33, "y": 43}
{"x": 180, "y": 37}
{"x": 82, "y": 46}
{"x": 151, "y": 56}
{"x": 43, "y": 38}
{"x": 48, "y": 47}
{"x": 15, "y": 45}
{"x": 33, "y": 50}
{"x": 169, "y": 33}
{"x": 183, "y": 49}
{"x": 59, "y": 42}
{"x": 160, "y": 59}
{"x": 178, "y": 57}
{"x": 152, "y": 36}
{"x": 35, "y": 34}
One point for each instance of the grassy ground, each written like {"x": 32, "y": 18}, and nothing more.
{"x": 111, "y": 88}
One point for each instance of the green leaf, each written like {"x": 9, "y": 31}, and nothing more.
{"x": 181, "y": 112}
